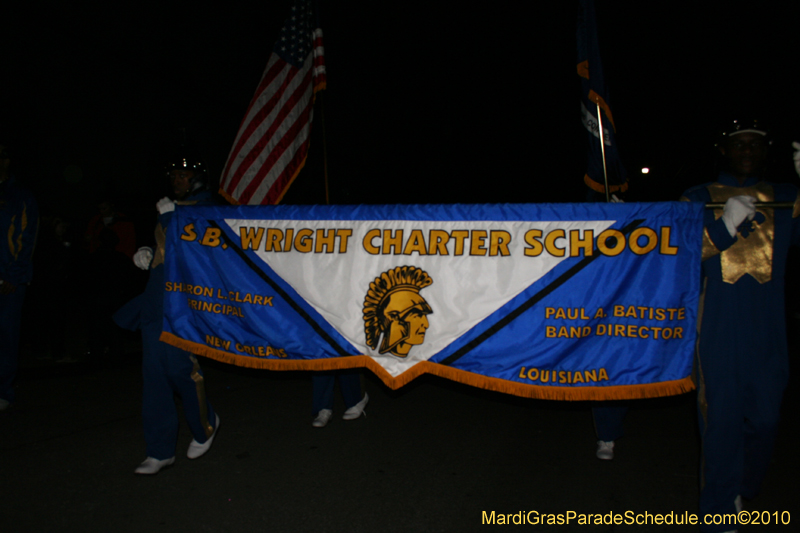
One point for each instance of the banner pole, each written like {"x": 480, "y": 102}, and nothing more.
{"x": 603, "y": 149}
{"x": 324, "y": 149}
{"x": 772, "y": 205}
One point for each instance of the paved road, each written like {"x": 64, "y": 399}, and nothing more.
{"x": 432, "y": 456}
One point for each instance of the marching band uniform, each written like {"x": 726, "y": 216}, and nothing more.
{"x": 19, "y": 222}
{"x": 742, "y": 358}
{"x": 167, "y": 370}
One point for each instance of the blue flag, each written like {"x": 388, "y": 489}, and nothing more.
{"x": 594, "y": 93}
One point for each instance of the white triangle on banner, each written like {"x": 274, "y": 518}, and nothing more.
{"x": 466, "y": 288}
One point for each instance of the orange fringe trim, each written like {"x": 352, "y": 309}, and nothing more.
{"x": 541, "y": 392}
{"x": 600, "y": 187}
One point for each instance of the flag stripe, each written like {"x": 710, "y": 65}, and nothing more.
{"x": 254, "y": 135}
{"x": 291, "y": 162}
{"x": 248, "y": 125}
{"x": 294, "y": 115}
{"x": 280, "y": 133}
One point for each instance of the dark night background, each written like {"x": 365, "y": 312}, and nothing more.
{"x": 427, "y": 103}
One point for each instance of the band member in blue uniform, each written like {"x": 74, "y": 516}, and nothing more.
{"x": 742, "y": 359}
{"x": 166, "y": 369}
{"x": 19, "y": 221}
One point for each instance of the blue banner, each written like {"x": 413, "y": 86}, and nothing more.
{"x": 560, "y": 301}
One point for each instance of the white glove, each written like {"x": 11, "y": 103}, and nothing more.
{"x": 143, "y": 257}
{"x": 796, "y": 146}
{"x": 165, "y": 205}
{"x": 736, "y": 209}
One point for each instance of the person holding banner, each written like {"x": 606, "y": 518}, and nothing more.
{"x": 168, "y": 370}
{"x": 19, "y": 222}
{"x": 742, "y": 356}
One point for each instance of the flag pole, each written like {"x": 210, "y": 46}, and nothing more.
{"x": 603, "y": 149}
{"x": 324, "y": 149}
{"x": 772, "y": 205}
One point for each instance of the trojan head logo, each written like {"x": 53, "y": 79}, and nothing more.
{"x": 394, "y": 312}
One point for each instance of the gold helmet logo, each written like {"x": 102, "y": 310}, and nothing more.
{"x": 394, "y": 310}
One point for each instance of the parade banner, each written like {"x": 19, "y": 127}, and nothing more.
{"x": 558, "y": 301}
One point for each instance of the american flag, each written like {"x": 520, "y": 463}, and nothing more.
{"x": 272, "y": 143}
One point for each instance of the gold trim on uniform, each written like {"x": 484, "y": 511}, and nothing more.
{"x": 201, "y": 396}
{"x": 796, "y": 210}
{"x": 161, "y": 241}
{"x": 752, "y": 254}
{"x": 11, "y": 228}
{"x": 709, "y": 248}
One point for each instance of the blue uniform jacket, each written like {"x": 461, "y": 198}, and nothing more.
{"x": 19, "y": 222}
{"x": 743, "y": 325}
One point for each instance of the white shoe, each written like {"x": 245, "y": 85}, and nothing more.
{"x": 322, "y": 418}
{"x": 605, "y": 450}
{"x": 196, "y": 449}
{"x": 151, "y": 465}
{"x": 4, "y": 404}
{"x": 357, "y": 410}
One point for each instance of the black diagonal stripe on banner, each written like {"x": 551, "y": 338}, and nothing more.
{"x": 533, "y": 300}
{"x": 277, "y": 288}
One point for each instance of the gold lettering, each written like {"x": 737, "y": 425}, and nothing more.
{"x": 367, "y": 243}
{"x": 576, "y": 243}
{"x": 250, "y": 237}
{"x": 460, "y": 236}
{"x": 437, "y": 242}
{"x": 211, "y": 237}
{"x": 274, "y": 238}
{"x": 498, "y": 242}
{"x": 649, "y": 234}
{"x": 535, "y": 248}
{"x": 550, "y": 242}
{"x": 602, "y": 243}
{"x": 189, "y": 234}
{"x": 477, "y": 242}
{"x": 287, "y": 244}
{"x": 343, "y": 235}
{"x": 325, "y": 239}
{"x": 392, "y": 240}
{"x": 304, "y": 240}
{"x": 666, "y": 249}
{"x": 415, "y": 243}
